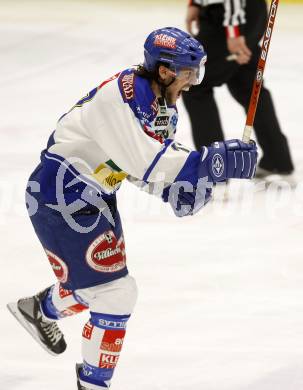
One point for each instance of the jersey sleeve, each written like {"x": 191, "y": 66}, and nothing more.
{"x": 234, "y": 17}
{"x": 155, "y": 188}
{"x": 112, "y": 124}
{"x": 234, "y": 14}
{"x": 195, "y": 2}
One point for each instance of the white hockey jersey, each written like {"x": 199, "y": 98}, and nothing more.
{"x": 118, "y": 131}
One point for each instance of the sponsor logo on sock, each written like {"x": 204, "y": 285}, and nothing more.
{"x": 88, "y": 331}
{"x": 112, "y": 340}
{"x": 112, "y": 324}
{"x": 108, "y": 361}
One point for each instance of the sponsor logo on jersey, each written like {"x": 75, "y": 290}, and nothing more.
{"x": 108, "y": 361}
{"x": 58, "y": 265}
{"x": 162, "y": 133}
{"x": 145, "y": 115}
{"x": 217, "y": 165}
{"x": 164, "y": 40}
{"x": 155, "y": 106}
{"x": 174, "y": 120}
{"x": 106, "y": 254}
{"x": 162, "y": 121}
{"x": 88, "y": 331}
{"x": 127, "y": 82}
{"x": 112, "y": 340}
{"x": 107, "y": 177}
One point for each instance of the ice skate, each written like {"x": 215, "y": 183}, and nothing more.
{"x": 47, "y": 333}
{"x": 80, "y": 387}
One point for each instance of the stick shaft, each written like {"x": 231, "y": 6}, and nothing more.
{"x": 259, "y": 73}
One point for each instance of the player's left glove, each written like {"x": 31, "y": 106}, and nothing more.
{"x": 231, "y": 159}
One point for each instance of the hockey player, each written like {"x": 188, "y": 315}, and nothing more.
{"x": 122, "y": 129}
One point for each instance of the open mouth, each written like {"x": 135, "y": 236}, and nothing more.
{"x": 185, "y": 88}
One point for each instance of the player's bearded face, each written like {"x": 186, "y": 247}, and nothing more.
{"x": 180, "y": 79}
{"x": 186, "y": 77}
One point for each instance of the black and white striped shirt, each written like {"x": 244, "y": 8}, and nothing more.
{"x": 234, "y": 15}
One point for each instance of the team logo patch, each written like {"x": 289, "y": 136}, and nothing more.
{"x": 217, "y": 165}
{"x": 164, "y": 40}
{"x": 106, "y": 254}
{"x": 58, "y": 265}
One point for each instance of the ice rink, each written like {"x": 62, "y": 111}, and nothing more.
{"x": 220, "y": 294}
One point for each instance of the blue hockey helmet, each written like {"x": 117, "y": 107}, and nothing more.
{"x": 177, "y": 49}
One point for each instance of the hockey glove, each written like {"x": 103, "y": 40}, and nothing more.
{"x": 231, "y": 159}
{"x": 186, "y": 200}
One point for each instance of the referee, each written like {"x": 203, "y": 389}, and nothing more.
{"x": 230, "y": 31}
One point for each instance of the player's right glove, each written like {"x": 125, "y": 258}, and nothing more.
{"x": 231, "y": 159}
{"x": 187, "y": 201}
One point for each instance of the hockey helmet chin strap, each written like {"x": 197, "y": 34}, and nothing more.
{"x": 163, "y": 86}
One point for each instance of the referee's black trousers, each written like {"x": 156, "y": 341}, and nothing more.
{"x": 200, "y": 102}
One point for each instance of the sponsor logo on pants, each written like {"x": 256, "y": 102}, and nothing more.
{"x": 106, "y": 254}
{"x": 58, "y": 265}
{"x": 64, "y": 293}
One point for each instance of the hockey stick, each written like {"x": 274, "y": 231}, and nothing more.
{"x": 256, "y": 89}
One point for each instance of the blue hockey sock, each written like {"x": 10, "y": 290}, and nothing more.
{"x": 48, "y": 308}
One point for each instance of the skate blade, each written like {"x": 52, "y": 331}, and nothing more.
{"x": 13, "y": 308}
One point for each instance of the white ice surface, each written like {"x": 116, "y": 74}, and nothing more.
{"x": 221, "y": 293}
